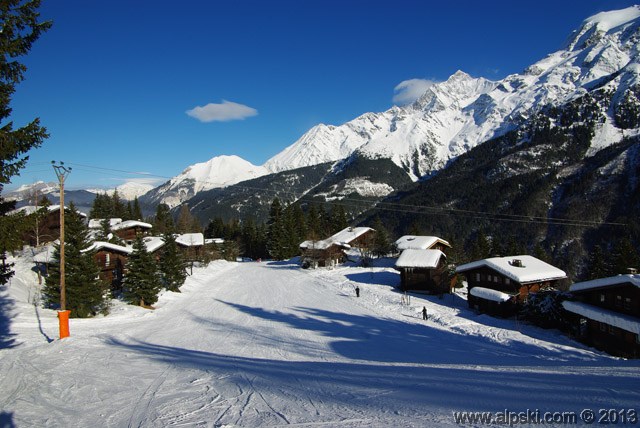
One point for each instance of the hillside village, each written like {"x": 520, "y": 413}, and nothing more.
{"x": 602, "y": 312}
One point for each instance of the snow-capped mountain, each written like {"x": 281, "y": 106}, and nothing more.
{"x": 127, "y": 191}
{"x": 28, "y": 191}
{"x": 453, "y": 116}
{"x": 456, "y": 115}
{"x": 220, "y": 171}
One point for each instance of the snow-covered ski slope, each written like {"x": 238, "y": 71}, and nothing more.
{"x": 268, "y": 344}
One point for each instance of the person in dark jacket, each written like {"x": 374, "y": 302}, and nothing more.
{"x": 424, "y": 313}
{"x": 357, "y": 291}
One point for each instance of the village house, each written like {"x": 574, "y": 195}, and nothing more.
{"x": 191, "y": 244}
{"x": 606, "y": 314}
{"x": 500, "y": 285}
{"x": 129, "y": 229}
{"x": 332, "y": 251}
{"x": 113, "y": 258}
{"x": 414, "y": 242}
{"x": 423, "y": 270}
{"x": 47, "y": 228}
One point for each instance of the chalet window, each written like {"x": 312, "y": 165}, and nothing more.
{"x": 612, "y": 330}
{"x": 107, "y": 260}
{"x": 603, "y": 326}
{"x": 477, "y": 277}
{"x": 638, "y": 338}
{"x": 601, "y": 298}
{"x": 496, "y": 278}
{"x": 507, "y": 281}
{"x": 627, "y": 303}
{"x": 618, "y": 301}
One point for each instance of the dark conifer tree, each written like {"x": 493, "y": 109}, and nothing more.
{"x": 102, "y": 207}
{"x": 19, "y": 31}
{"x": 172, "y": 264}
{"x": 597, "y": 264}
{"x": 142, "y": 281}
{"x": 624, "y": 256}
{"x": 338, "y": 219}
{"x": 163, "y": 220}
{"x": 275, "y": 231}
{"x": 382, "y": 245}
{"x": 137, "y": 211}
{"x": 86, "y": 294}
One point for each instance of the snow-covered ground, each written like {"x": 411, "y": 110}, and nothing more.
{"x": 269, "y": 344}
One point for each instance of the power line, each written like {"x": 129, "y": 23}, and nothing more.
{"x": 387, "y": 206}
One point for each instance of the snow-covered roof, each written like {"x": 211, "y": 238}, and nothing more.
{"x": 616, "y": 319}
{"x": 45, "y": 255}
{"x": 342, "y": 238}
{"x": 131, "y": 223}
{"x": 489, "y": 294}
{"x": 30, "y": 209}
{"x": 152, "y": 243}
{"x": 415, "y": 242}
{"x": 606, "y": 282}
{"x": 528, "y": 269}
{"x": 412, "y": 258}
{"x": 96, "y": 223}
{"x": 208, "y": 241}
{"x": 190, "y": 239}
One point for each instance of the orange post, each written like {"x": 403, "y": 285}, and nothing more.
{"x": 63, "y": 319}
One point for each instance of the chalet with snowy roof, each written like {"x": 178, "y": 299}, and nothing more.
{"x": 48, "y": 226}
{"x": 112, "y": 258}
{"x": 129, "y": 229}
{"x": 414, "y": 242}
{"x": 423, "y": 270}
{"x": 499, "y": 285}
{"x": 606, "y": 314}
{"x": 332, "y": 250}
{"x": 191, "y": 244}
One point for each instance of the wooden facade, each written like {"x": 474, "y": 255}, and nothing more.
{"x": 331, "y": 251}
{"x": 516, "y": 276}
{"x": 128, "y": 230}
{"x": 423, "y": 270}
{"x": 606, "y": 314}
{"x": 112, "y": 266}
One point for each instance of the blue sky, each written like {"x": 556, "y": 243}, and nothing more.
{"x": 156, "y": 86}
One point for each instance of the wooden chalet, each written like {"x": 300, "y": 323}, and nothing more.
{"x": 332, "y": 251}
{"x": 423, "y": 270}
{"x": 606, "y": 314}
{"x": 48, "y": 227}
{"x": 191, "y": 244}
{"x": 514, "y": 277}
{"x": 415, "y": 242}
{"x": 129, "y": 229}
{"x": 112, "y": 259}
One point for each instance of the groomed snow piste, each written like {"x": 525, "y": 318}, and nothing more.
{"x": 269, "y": 344}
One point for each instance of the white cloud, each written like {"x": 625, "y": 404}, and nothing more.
{"x": 410, "y": 90}
{"x": 222, "y": 112}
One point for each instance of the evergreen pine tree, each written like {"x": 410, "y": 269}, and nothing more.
{"x": 338, "y": 219}
{"x": 382, "y": 245}
{"x": 106, "y": 235}
{"x": 20, "y": 29}
{"x": 172, "y": 264}
{"x": 597, "y": 264}
{"x": 86, "y": 294}
{"x": 119, "y": 209}
{"x": 142, "y": 281}
{"x": 102, "y": 207}
{"x": 275, "y": 231}
{"x": 624, "y": 257}
{"x": 137, "y": 211}
{"x": 163, "y": 221}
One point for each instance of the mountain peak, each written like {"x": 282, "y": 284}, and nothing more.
{"x": 595, "y": 27}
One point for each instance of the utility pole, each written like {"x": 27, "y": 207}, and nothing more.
{"x": 63, "y": 315}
